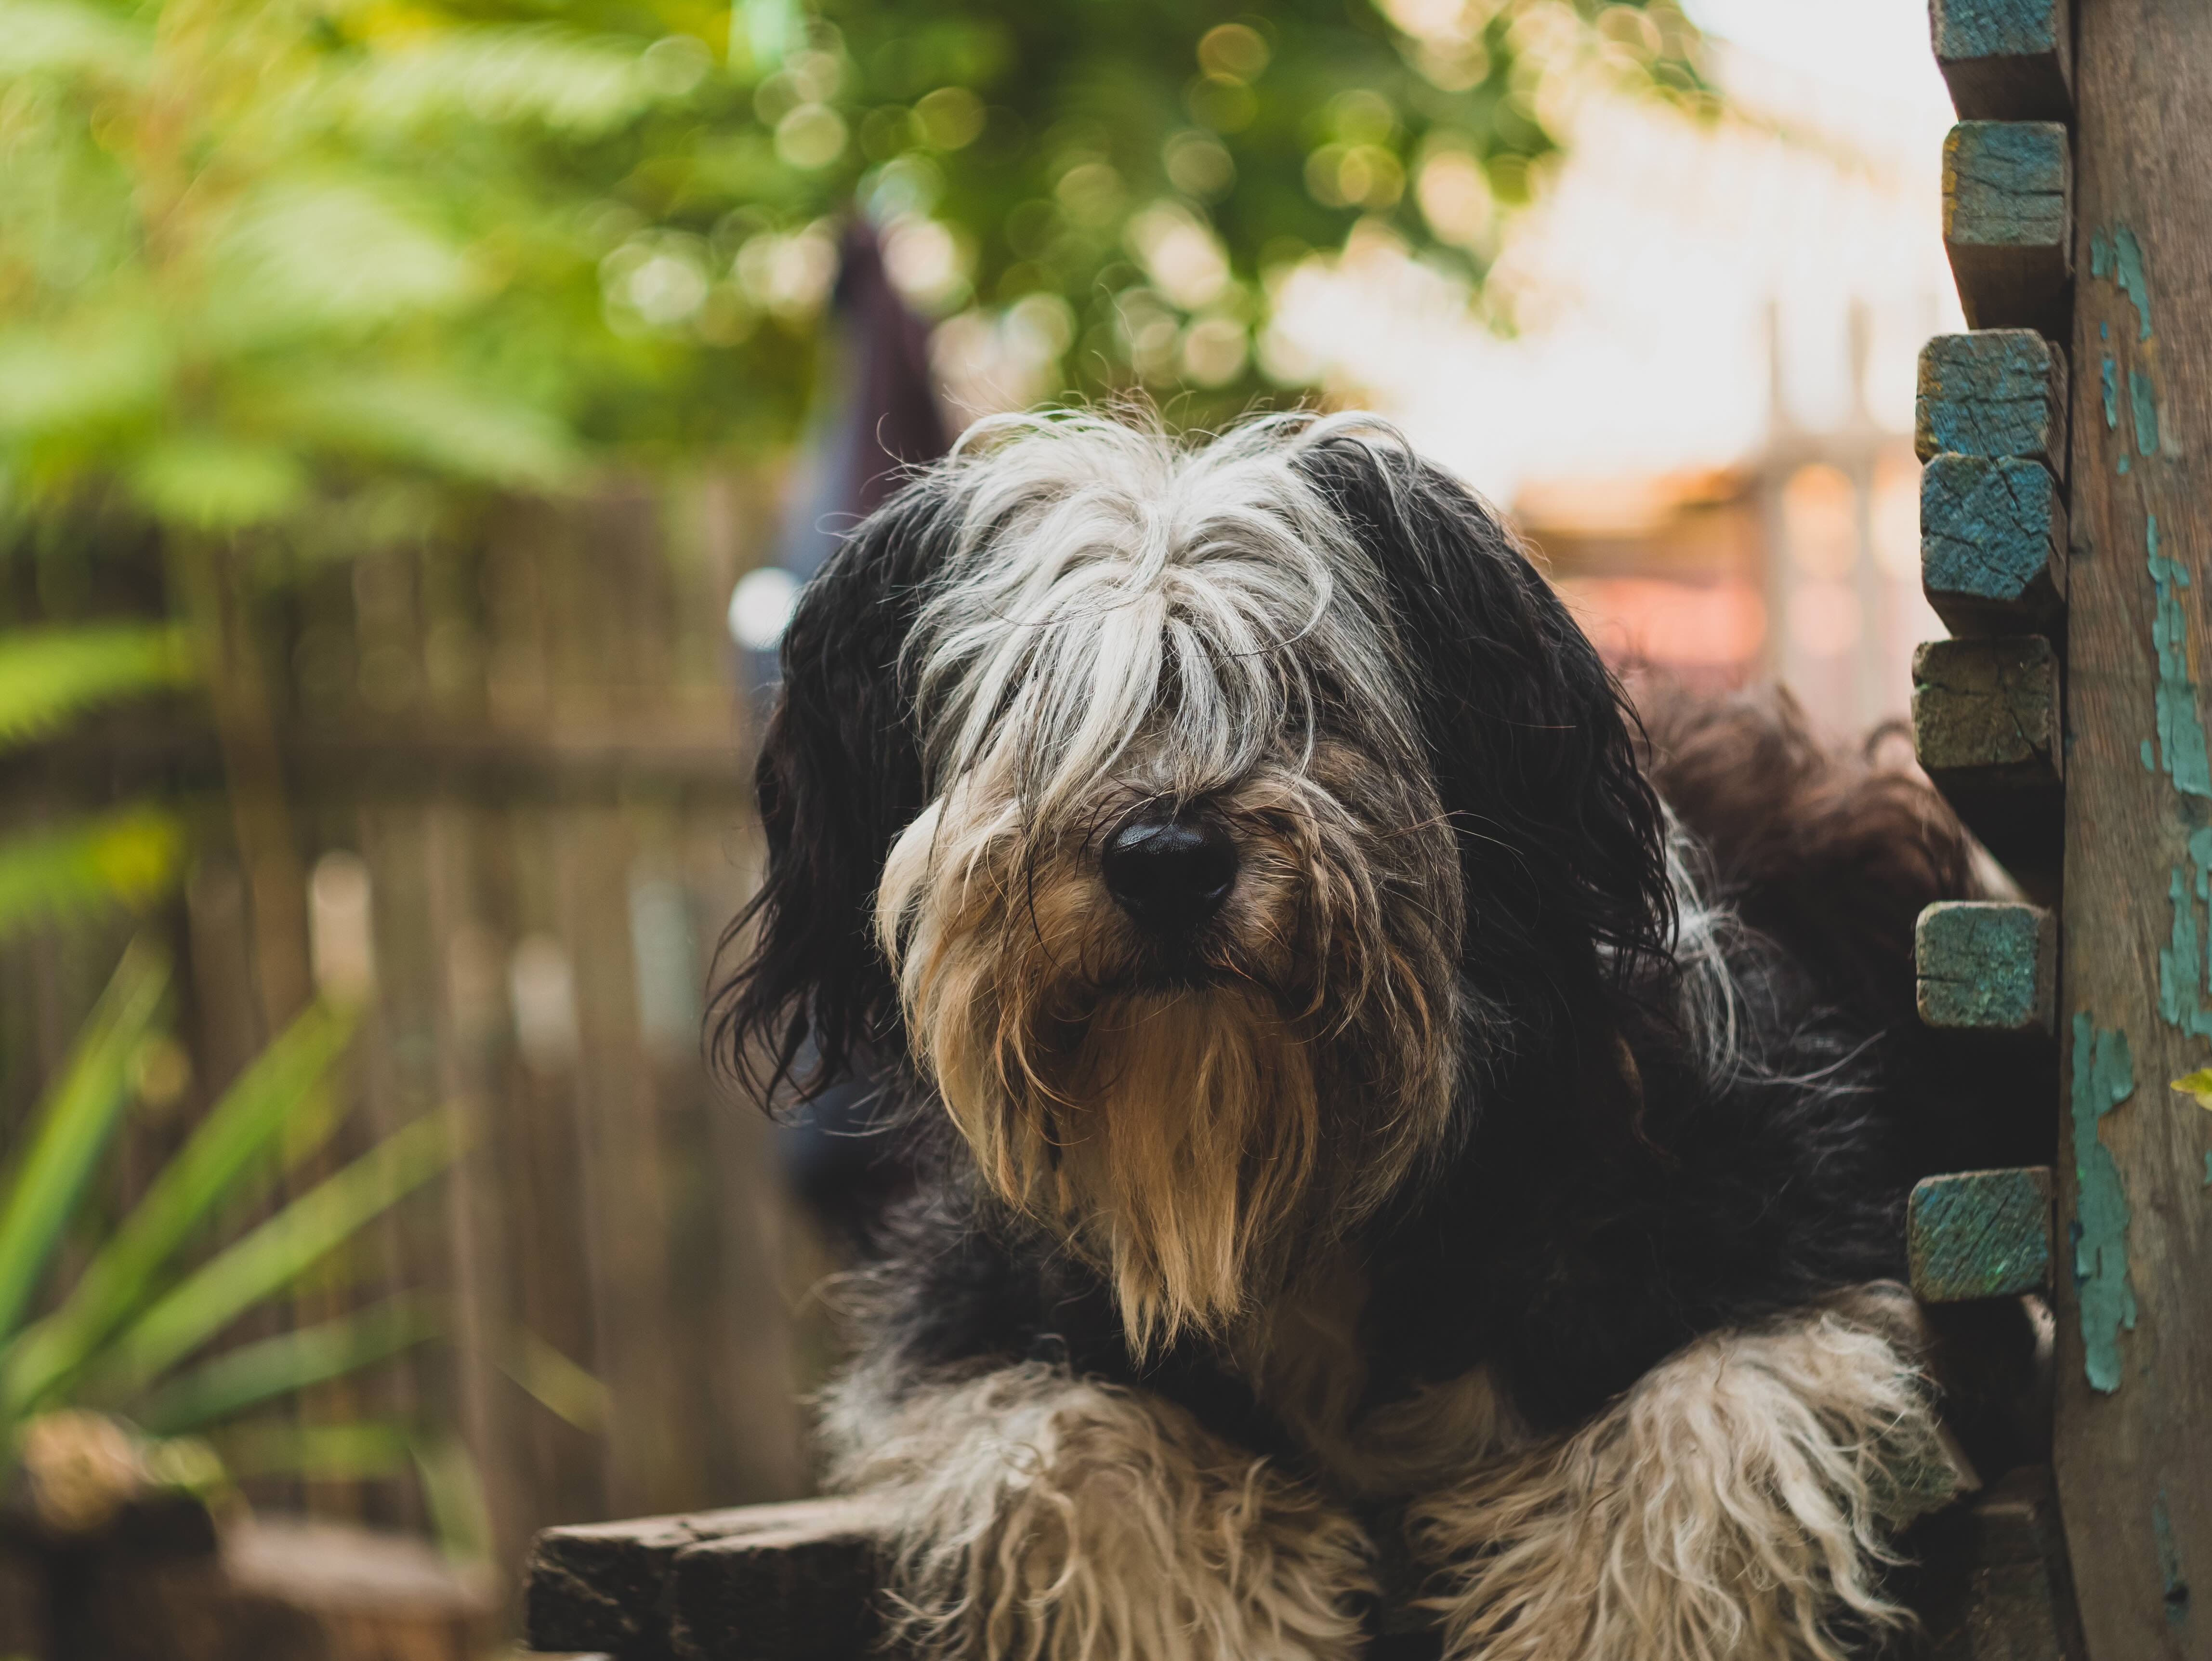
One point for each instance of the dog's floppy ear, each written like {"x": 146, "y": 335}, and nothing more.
{"x": 1561, "y": 838}
{"x": 839, "y": 777}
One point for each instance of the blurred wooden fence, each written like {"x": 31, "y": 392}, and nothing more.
{"x": 528, "y": 745}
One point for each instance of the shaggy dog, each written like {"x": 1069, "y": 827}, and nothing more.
{"x": 1379, "y": 1101}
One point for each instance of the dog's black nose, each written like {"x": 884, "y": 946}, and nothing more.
{"x": 1169, "y": 873}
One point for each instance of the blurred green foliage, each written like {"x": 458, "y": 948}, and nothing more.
{"x": 258, "y": 255}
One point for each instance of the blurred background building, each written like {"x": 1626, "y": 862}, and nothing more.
{"x": 414, "y": 429}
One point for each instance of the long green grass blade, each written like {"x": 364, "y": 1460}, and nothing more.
{"x": 49, "y": 675}
{"x": 73, "y": 1125}
{"x": 128, "y": 857}
{"x": 271, "y": 1257}
{"x": 254, "y": 1373}
{"x": 453, "y": 1487}
{"x": 555, "y": 1383}
{"x": 238, "y": 1133}
{"x": 370, "y": 1448}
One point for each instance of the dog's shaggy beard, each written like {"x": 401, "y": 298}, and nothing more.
{"x": 1126, "y": 623}
{"x": 1189, "y": 1134}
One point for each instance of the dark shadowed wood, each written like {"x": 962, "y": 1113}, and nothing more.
{"x": 1979, "y": 1234}
{"x": 1985, "y": 966}
{"x": 1992, "y": 544}
{"x": 610, "y": 1586}
{"x": 2134, "y": 1432}
{"x": 2008, "y": 222}
{"x": 1985, "y": 729}
{"x": 1985, "y": 712}
{"x": 1993, "y": 392}
{"x": 803, "y": 1591}
{"x": 2006, "y": 60}
{"x": 1995, "y": 1586}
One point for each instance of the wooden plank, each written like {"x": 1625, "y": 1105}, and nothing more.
{"x": 1992, "y": 544}
{"x": 1985, "y": 712}
{"x": 797, "y": 1583}
{"x": 606, "y": 1585}
{"x": 1978, "y": 1234}
{"x": 1992, "y": 392}
{"x": 2008, "y": 222}
{"x": 1987, "y": 966}
{"x": 796, "y": 1593}
{"x": 1985, "y": 727}
{"x": 2134, "y": 1362}
{"x": 2006, "y": 60}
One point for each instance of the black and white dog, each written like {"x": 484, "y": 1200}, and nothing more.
{"x": 1367, "y": 1079}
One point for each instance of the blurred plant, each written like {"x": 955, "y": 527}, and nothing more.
{"x": 153, "y": 1291}
{"x": 252, "y": 252}
{"x": 93, "y": 1390}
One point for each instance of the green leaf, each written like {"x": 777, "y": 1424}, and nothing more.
{"x": 2197, "y": 1085}
{"x": 436, "y": 423}
{"x": 109, "y": 365}
{"x": 582, "y": 85}
{"x": 73, "y": 1125}
{"x": 254, "y": 1373}
{"x": 271, "y": 1256}
{"x": 314, "y": 253}
{"x": 242, "y": 1131}
{"x": 49, "y": 675}
{"x": 127, "y": 857}
{"x": 212, "y": 483}
{"x": 453, "y": 1487}
{"x": 54, "y": 37}
{"x": 366, "y": 1449}
{"x": 556, "y": 1382}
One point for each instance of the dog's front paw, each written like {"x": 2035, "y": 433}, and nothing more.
{"x": 1736, "y": 1504}
{"x": 1045, "y": 1518}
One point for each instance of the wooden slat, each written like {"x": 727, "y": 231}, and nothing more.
{"x": 606, "y": 1585}
{"x": 798, "y": 1583}
{"x": 807, "y": 1590}
{"x": 2133, "y": 1442}
{"x": 2006, "y": 60}
{"x": 1986, "y": 729}
{"x": 1993, "y": 392}
{"x": 1979, "y": 1234}
{"x": 1992, "y": 544}
{"x": 1986, "y": 966}
{"x": 2008, "y": 222}
{"x": 1985, "y": 713}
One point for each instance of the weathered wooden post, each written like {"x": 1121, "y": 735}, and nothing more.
{"x": 2068, "y": 525}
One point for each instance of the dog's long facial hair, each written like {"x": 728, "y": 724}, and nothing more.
{"x": 1177, "y": 935}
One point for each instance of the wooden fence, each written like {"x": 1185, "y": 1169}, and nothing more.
{"x": 504, "y": 776}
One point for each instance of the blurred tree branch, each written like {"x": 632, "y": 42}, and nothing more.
{"x": 253, "y": 256}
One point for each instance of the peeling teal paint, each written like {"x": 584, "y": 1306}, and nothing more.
{"x": 2149, "y": 760}
{"x": 2127, "y": 256}
{"x": 2180, "y": 728}
{"x": 2100, "y": 257}
{"x": 2182, "y": 963}
{"x": 2104, "y": 1077}
{"x": 2104, "y": 331}
{"x": 2169, "y": 1561}
{"x": 2208, "y": 1170}
{"x": 2112, "y": 393}
{"x": 2143, "y": 399}
{"x": 2125, "y": 462}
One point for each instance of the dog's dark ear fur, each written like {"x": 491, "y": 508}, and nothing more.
{"x": 1561, "y": 839}
{"x": 839, "y": 777}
